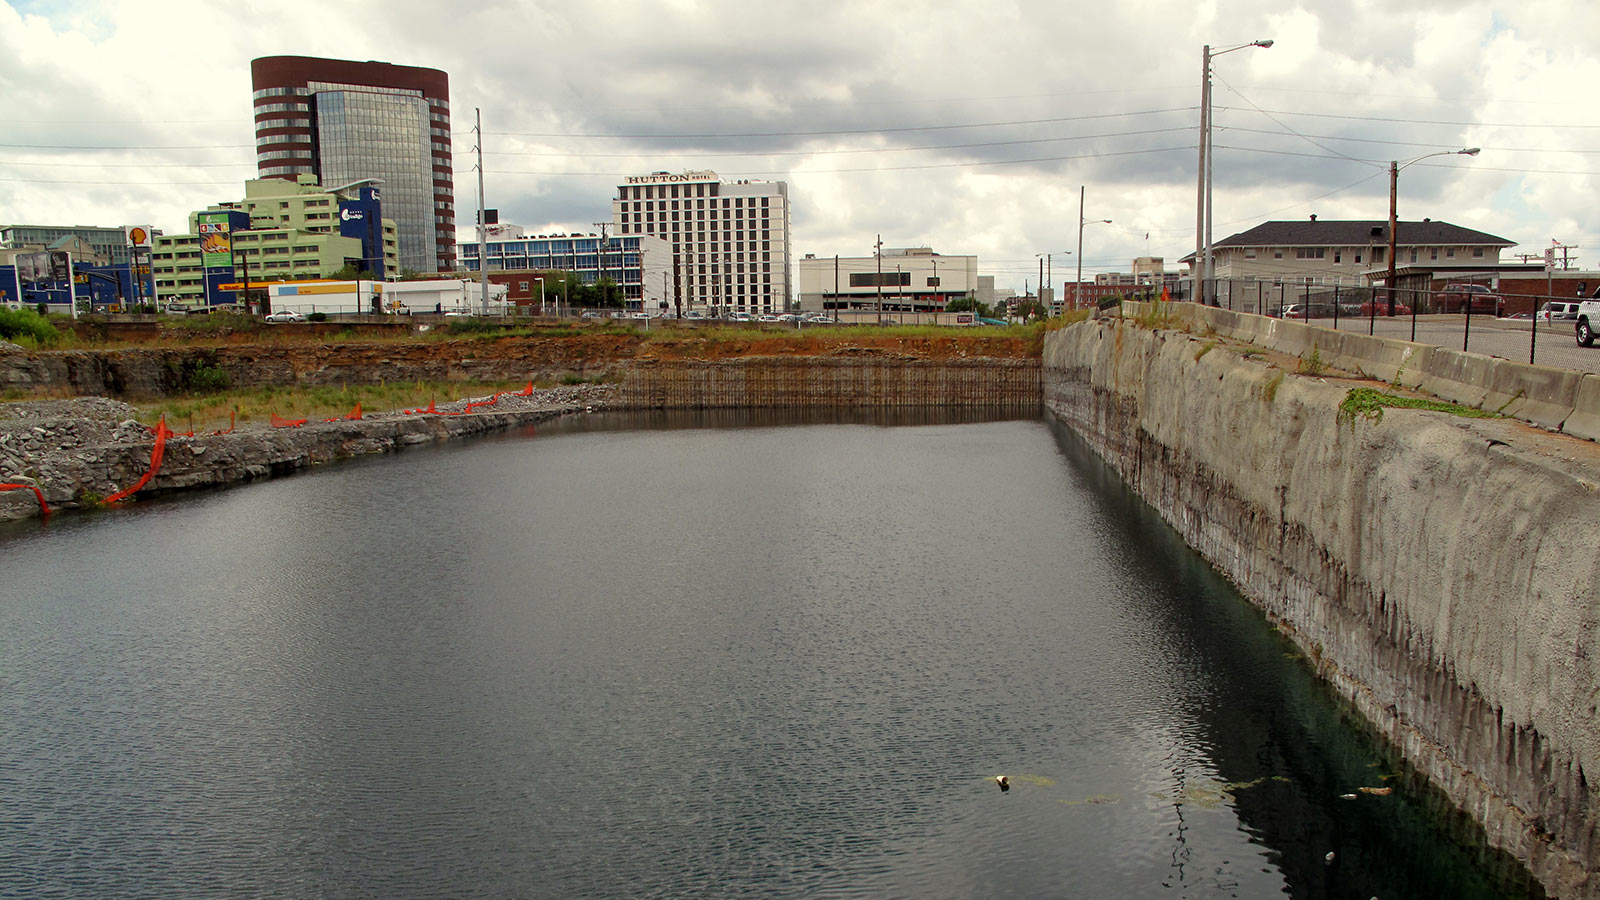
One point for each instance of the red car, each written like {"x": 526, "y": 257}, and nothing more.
{"x": 1381, "y": 308}
{"x": 1457, "y": 296}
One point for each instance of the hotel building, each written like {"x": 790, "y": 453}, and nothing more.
{"x": 729, "y": 240}
{"x": 346, "y": 122}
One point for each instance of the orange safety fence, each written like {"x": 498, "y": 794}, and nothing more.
{"x": 286, "y": 423}
{"x": 162, "y": 433}
{"x": 231, "y": 414}
{"x": 44, "y": 507}
{"x": 351, "y": 416}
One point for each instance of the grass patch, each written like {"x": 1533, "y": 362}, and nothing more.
{"x": 1369, "y": 404}
{"x": 1312, "y": 364}
{"x": 1269, "y": 391}
{"x": 1207, "y": 348}
{"x": 211, "y": 412}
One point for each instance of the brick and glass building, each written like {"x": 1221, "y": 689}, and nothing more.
{"x": 109, "y": 244}
{"x": 346, "y": 121}
{"x": 729, "y": 240}
{"x": 640, "y": 263}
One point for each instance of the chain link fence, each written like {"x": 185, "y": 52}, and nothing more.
{"x": 1538, "y": 328}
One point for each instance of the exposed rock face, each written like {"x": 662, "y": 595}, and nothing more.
{"x": 1442, "y": 572}
{"x": 83, "y": 450}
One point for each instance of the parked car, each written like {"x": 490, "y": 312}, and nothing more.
{"x": 741, "y": 317}
{"x": 1559, "y": 310}
{"x": 767, "y": 317}
{"x": 1381, "y": 308}
{"x": 285, "y": 316}
{"x": 1457, "y": 296}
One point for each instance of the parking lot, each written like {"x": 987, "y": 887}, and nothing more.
{"x": 1506, "y": 338}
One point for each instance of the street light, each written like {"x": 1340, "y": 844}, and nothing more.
{"x": 1077, "y": 286}
{"x": 1045, "y": 276}
{"x": 540, "y": 279}
{"x": 1394, "y": 183}
{"x": 1202, "y": 224}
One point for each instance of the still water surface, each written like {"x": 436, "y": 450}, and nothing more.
{"x": 624, "y": 658}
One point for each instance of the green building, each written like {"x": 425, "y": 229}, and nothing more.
{"x": 298, "y": 230}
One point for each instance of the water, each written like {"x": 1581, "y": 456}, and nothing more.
{"x": 624, "y": 658}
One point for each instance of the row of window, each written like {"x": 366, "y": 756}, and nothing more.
{"x": 1378, "y": 253}
{"x": 735, "y": 203}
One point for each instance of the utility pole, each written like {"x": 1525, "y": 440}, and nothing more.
{"x": 877, "y": 253}
{"x": 483, "y": 226}
{"x": 605, "y": 244}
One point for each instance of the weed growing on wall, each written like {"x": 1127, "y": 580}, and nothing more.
{"x": 1269, "y": 391}
{"x": 1369, "y": 404}
{"x": 1209, "y": 346}
{"x": 1313, "y": 364}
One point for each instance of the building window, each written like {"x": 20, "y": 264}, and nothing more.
{"x": 1309, "y": 253}
{"x": 1477, "y": 253}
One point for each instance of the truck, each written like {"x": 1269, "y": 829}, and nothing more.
{"x": 1588, "y": 320}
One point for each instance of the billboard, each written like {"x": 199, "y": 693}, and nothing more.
{"x": 216, "y": 240}
{"x": 50, "y": 266}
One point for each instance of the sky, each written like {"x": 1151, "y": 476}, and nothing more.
{"x": 967, "y": 126}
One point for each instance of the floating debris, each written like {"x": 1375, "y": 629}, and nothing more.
{"x": 1378, "y": 791}
{"x": 1347, "y": 796}
{"x": 1004, "y": 782}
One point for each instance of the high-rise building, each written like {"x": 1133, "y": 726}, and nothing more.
{"x": 346, "y": 121}
{"x": 730, "y": 240}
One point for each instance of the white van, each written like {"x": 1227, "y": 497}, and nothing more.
{"x": 1559, "y": 311}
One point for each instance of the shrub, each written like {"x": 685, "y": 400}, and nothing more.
{"x": 209, "y": 378}
{"x": 26, "y": 323}
{"x": 1313, "y": 364}
{"x": 317, "y": 317}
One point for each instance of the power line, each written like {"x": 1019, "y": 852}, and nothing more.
{"x": 1291, "y": 130}
{"x": 756, "y": 154}
{"x": 956, "y": 165}
{"x": 1287, "y": 112}
{"x": 764, "y": 134}
{"x": 1337, "y": 137}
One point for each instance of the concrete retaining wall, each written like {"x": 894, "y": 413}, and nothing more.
{"x": 798, "y": 382}
{"x": 1442, "y": 572}
{"x": 1557, "y": 399}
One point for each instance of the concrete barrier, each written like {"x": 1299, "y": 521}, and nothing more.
{"x": 1584, "y": 420}
{"x": 1541, "y": 395}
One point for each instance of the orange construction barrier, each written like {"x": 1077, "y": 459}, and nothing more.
{"x": 351, "y": 416}
{"x": 286, "y": 423}
{"x": 527, "y": 391}
{"x": 162, "y": 433}
{"x": 231, "y": 414}
{"x": 43, "y": 506}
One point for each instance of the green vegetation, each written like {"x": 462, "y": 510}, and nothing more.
{"x": 1369, "y": 404}
{"x": 1312, "y": 364}
{"x": 1269, "y": 391}
{"x": 208, "y": 379}
{"x": 1207, "y": 348}
{"x": 27, "y": 328}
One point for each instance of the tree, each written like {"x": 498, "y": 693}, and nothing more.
{"x": 969, "y": 302}
{"x": 351, "y": 273}
{"x": 1031, "y": 308}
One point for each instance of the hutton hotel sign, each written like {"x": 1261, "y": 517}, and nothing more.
{"x": 666, "y": 178}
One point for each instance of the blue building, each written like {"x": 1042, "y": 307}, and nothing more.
{"x": 640, "y": 263}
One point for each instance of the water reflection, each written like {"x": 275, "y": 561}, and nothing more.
{"x": 718, "y": 655}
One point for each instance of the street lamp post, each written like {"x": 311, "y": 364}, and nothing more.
{"x": 1045, "y": 280}
{"x": 1202, "y": 223}
{"x": 1394, "y": 185}
{"x": 540, "y": 279}
{"x": 1077, "y": 286}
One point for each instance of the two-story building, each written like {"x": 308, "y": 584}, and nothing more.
{"x": 1347, "y": 252}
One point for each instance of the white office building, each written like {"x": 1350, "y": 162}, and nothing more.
{"x": 729, "y": 239}
{"x": 904, "y": 280}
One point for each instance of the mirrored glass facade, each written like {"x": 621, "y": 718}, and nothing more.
{"x": 365, "y": 134}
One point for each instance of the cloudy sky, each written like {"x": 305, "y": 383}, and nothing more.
{"x": 968, "y": 126}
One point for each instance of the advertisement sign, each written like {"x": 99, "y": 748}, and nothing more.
{"x": 60, "y": 265}
{"x": 138, "y": 235}
{"x": 33, "y": 268}
{"x": 216, "y": 240}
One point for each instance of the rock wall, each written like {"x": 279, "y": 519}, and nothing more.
{"x": 801, "y": 382}
{"x": 1442, "y": 572}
